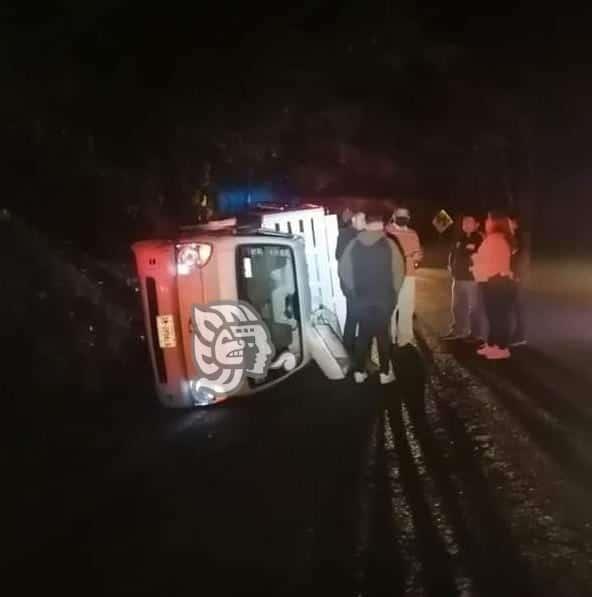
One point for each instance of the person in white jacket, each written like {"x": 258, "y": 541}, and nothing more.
{"x": 492, "y": 270}
{"x": 408, "y": 241}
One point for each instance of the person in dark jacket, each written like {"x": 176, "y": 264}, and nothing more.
{"x": 465, "y": 299}
{"x": 520, "y": 265}
{"x": 372, "y": 269}
{"x": 356, "y": 224}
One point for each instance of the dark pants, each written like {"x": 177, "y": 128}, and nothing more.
{"x": 374, "y": 323}
{"x": 518, "y": 330}
{"x": 480, "y": 322}
{"x": 351, "y": 323}
{"x": 499, "y": 294}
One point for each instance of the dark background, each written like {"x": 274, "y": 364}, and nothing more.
{"x": 113, "y": 110}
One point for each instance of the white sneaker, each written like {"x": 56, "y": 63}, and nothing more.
{"x": 360, "y": 376}
{"x": 498, "y": 354}
{"x": 387, "y": 377}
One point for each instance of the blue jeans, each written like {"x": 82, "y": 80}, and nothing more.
{"x": 518, "y": 315}
{"x": 466, "y": 309}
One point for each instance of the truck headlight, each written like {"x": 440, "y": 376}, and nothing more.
{"x": 201, "y": 395}
{"x": 192, "y": 256}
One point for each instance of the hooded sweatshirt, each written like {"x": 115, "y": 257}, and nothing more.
{"x": 372, "y": 269}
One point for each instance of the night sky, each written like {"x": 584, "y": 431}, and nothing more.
{"x": 108, "y": 105}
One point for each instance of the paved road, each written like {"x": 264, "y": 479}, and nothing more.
{"x": 445, "y": 483}
{"x": 329, "y": 488}
{"x": 536, "y": 412}
{"x": 558, "y": 313}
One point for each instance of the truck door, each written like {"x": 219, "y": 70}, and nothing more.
{"x": 266, "y": 279}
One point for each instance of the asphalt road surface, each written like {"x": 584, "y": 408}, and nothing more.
{"x": 462, "y": 478}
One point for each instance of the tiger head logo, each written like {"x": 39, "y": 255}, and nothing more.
{"x": 230, "y": 342}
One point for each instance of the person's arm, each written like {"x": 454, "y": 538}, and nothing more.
{"x": 478, "y": 241}
{"x": 451, "y": 258}
{"x": 398, "y": 266}
{"x": 516, "y": 245}
{"x": 418, "y": 255}
{"x": 471, "y": 246}
{"x": 341, "y": 244}
{"x": 414, "y": 250}
{"x": 346, "y": 269}
{"x": 480, "y": 260}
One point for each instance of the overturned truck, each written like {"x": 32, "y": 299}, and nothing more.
{"x": 232, "y": 307}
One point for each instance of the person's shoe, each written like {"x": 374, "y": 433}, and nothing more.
{"x": 389, "y": 377}
{"x": 519, "y": 343}
{"x": 484, "y": 350}
{"x": 360, "y": 376}
{"x": 498, "y": 354}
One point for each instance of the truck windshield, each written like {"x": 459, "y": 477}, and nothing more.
{"x": 267, "y": 280}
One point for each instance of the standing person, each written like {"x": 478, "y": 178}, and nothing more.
{"x": 372, "y": 269}
{"x": 492, "y": 267}
{"x": 408, "y": 241}
{"x": 346, "y": 231}
{"x": 357, "y": 223}
{"x": 464, "y": 288}
{"x": 520, "y": 264}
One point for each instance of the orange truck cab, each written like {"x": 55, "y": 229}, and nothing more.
{"x": 232, "y": 310}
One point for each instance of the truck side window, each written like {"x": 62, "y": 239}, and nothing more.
{"x": 267, "y": 280}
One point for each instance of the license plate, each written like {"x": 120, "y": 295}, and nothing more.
{"x": 165, "y": 324}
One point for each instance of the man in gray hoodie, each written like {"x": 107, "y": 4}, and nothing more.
{"x": 371, "y": 270}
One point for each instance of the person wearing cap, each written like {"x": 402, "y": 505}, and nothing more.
{"x": 464, "y": 288}
{"x": 408, "y": 241}
{"x": 372, "y": 270}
